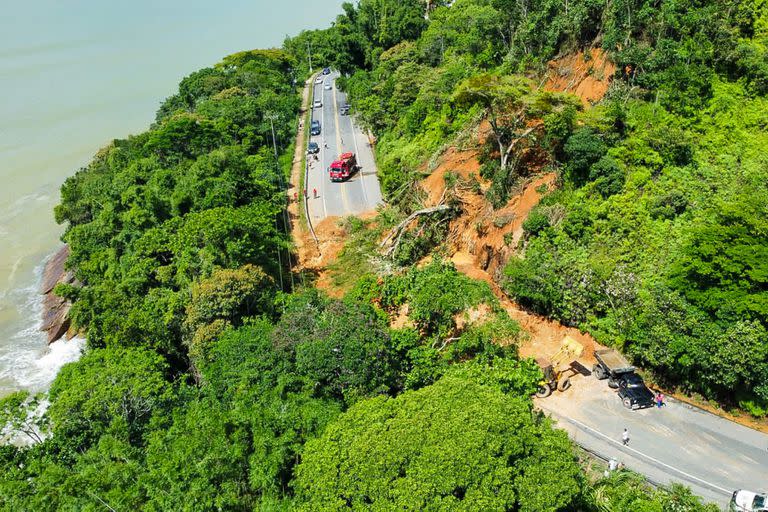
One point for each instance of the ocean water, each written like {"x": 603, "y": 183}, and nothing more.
{"x": 73, "y": 76}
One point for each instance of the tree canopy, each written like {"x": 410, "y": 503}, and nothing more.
{"x": 453, "y": 445}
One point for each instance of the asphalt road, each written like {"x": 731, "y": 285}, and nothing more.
{"x": 340, "y": 133}
{"x": 677, "y": 443}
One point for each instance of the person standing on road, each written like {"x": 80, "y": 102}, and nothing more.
{"x": 659, "y": 399}
{"x": 625, "y": 437}
{"x": 314, "y": 193}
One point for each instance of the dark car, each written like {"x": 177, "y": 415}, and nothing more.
{"x": 326, "y": 71}
{"x": 313, "y": 147}
{"x": 633, "y": 392}
{"x": 314, "y": 129}
{"x": 344, "y": 110}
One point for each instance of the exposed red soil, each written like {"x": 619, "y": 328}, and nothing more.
{"x": 586, "y": 74}
{"x": 315, "y": 257}
{"x": 482, "y": 238}
{"x": 460, "y": 162}
{"x": 544, "y": 335}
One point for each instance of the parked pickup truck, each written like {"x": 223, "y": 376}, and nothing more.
{"x": 633, "y": 392}
{"x": 343, "y": 168}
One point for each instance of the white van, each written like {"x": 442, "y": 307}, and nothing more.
{"x": 748, "y": 501}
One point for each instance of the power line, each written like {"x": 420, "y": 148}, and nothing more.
{"x": 272, "y": 118}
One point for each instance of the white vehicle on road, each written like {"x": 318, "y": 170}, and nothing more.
{"x": 748, "y": 501}
{"x": 319, "y": 79}
{"x": 318, "y": 104}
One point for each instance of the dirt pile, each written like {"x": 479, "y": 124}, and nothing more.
{"x": 544, "y": 335}
{"x": 482, "y": 239}
{"x": 489, "y": 235}
{"x": 587, "y": 74}
{"x": 316, "y": 257}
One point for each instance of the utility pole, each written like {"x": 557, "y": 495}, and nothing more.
{"x": 309, "y": 55}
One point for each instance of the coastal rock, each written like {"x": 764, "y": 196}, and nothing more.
{"x": 55, "y": 316}
{"x": 54, "y": 270}
{"x": 55, "y": 309}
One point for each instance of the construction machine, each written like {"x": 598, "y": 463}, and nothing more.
{"x": 558, "y": 369}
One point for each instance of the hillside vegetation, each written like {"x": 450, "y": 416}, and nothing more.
{"x": 217, "y": 378}
{"x": 656, "y": 239}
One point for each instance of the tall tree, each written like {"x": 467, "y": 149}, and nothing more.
{"x": 453, "y": 445}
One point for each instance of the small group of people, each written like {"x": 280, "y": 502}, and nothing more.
{"x": 296, "y": 194}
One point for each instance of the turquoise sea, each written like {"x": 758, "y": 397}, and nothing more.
{"x": 74, "y": 75}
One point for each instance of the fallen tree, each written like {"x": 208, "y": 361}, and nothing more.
{"x": 397, "y": 233}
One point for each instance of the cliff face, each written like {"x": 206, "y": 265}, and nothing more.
{"x": 55, "y": 308}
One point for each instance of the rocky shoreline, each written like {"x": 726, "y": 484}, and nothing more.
{"x": 56, "y": 321}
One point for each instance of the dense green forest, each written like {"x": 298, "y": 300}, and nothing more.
{"x": 216, "y": 378}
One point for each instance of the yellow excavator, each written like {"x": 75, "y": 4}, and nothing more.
{"x": 558, "y": 369}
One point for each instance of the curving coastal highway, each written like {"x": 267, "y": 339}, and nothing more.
{"x": 339, "y": 134}
{"x": 677, "y": 443}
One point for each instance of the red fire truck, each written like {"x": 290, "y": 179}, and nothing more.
{"x": 343, "y": 168}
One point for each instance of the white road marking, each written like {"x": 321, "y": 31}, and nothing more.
{"x": 652, "y": 459}
{"x": 337, "y": 125}
{"x": 357, "y": 152}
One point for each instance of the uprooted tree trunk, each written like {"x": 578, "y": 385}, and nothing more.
{"x": 397, "y": 233}
{"x": 506, "y": 147}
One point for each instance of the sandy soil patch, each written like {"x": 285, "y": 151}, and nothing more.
{"x": 587, "y": 74}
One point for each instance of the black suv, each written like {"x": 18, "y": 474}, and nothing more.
{"x": 326, "y": 71}
{"x": 314, "y": 129}
{"x": 313, "y": 147}
{"x": 633, "y": 392}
